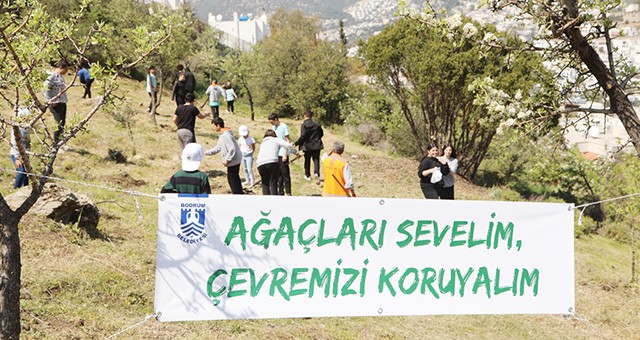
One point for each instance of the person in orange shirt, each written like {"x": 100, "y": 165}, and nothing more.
{"x": 337, "y": 174}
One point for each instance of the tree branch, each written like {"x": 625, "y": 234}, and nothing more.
{"x": 16, "y": 59}
{"x": 144, "y": 55}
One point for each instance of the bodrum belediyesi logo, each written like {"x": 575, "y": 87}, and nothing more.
{"x": 192, "y": 223}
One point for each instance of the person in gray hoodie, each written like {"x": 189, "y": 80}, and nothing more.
{"x": 231, "y": 155}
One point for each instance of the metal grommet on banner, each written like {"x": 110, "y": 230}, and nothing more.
{"x": 379, "y": 310}
{"x": 381, "y": 202}
{"x": 162, "y": 198}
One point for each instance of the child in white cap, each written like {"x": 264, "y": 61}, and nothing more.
{"x": 189, "y": 180}
{"x": 247, "y": 146}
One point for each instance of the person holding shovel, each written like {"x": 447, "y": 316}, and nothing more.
{"x": 338, "y": 181}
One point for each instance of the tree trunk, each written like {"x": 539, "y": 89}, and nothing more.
{"x": 634, "y": 274}
{"x": 620, "y": 103}
{"x": 249, "y": 96}
{"x": 10, "y": 274}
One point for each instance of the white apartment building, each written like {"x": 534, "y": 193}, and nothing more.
{"x": 242, "y": 33}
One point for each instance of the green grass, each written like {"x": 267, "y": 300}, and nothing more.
{"x": 77, "y": 287}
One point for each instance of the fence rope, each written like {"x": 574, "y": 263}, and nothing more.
{"x": 134, "y": 194}
{"x": 147, "y": 318}
{"x": 130, "y": 192}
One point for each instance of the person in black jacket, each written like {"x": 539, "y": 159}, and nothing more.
{"x": 190, "y": 81}
{"x": 428, "y": 170}
{"x": 179, "y": 92}
{"x": 310, "y": 142}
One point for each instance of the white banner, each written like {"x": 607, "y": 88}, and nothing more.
{"x": 244, "y": 257}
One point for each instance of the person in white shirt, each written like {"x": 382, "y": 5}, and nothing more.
{"x": 449, "y": 156}
{"x": 268, "y": 162}
{"x": 282, "y": 131}
{"x": 247, "y": 146}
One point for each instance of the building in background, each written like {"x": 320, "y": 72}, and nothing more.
{"x": 595, "y": 134}
{"x": 173, "y": 4}
{"x": 242, "y": 33}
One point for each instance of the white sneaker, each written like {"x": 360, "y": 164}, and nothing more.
{"x": 307, "y": 178}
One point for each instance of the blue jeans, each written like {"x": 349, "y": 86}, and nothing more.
{"x": 247, "y": 165}
{"x": 22, "y": 180}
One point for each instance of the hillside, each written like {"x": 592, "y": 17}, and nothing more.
{"x": 77, "y": 287}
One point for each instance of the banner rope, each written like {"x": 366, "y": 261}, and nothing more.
{"x": 147, "y": 318}
{"x": 575, "y": 316}
{"x": 607, "y": 200}
{"x": 134, "y": 194}
{"x": 586, "y": 205}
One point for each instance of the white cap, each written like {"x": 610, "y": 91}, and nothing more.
{"x": 243, "y": 130}
{"x": 192, "y": 155}
{"x": 23, "y": 112}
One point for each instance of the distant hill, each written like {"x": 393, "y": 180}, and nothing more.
{"x": 362, "y": 18}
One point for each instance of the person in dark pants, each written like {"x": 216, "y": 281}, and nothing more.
{"x": 190, "y": 81}
{"x": 179, "y": 93}
{"x": 176, "y": 74}
{"x": 22, "y": 179}
{"x": 56, "y": 97}
{"x": 449, "y": 156}
{"x": 282, "y": 131}
{"x": 267, "y": 161}
{"x": 152, "y": 87}
{"x": 185, "y": 120}
{"x": 85, "y": 78}
{"x": 231, "y": 155}
{"x": 430, "y": 172}
{"x": 215, "y": 93}
{"x": 310, "y": 142}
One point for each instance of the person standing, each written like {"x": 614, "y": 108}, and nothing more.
{"x": 282, "y": 131}
{"x": 152, "y": 87}
{"x": 189, "y": 180}
{"x": 430, "y": 172}
{"x": 56, "y": 97}
{"x": 268, "y": 163}
{"x": 230, "y": 153}
{"x": 22, "y": 179}
{"x": 448, "y": 180}
{"x": 185, "y": 119}
{"x": 310, "y": 142}
{"x": 338, "y": 181}
{"x": 178, "y": 71}
{"x": 179, "y": 92}
{"x": 190, "y": 81}
{"x": 215, "y": 93}
{"x": 85, "y": 78}
{"x": 230, "y": 96}
{"x": 247, "y": 147}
